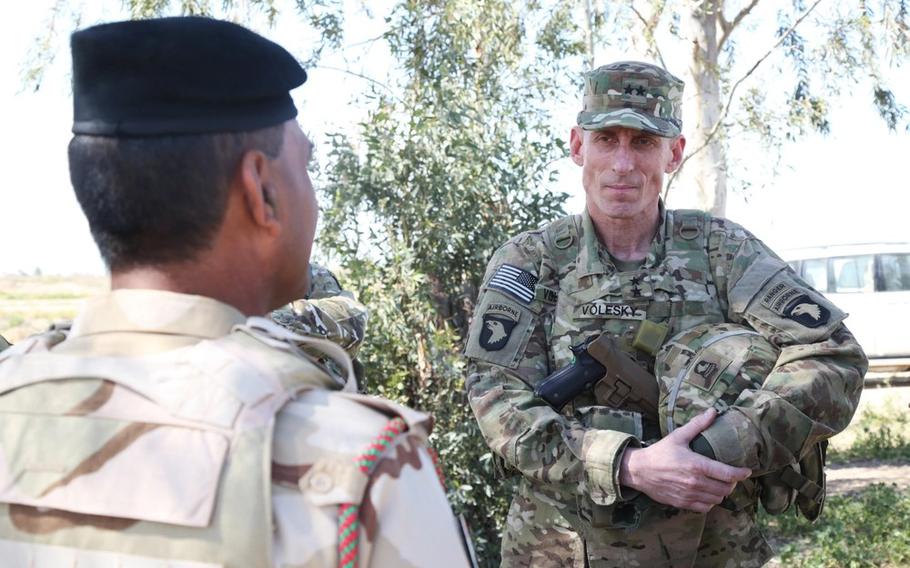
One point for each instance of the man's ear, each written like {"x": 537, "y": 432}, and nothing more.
{"x": 677, "y": 149}
{"x": 576, "y": 141}
{"x": 255, "y": 181}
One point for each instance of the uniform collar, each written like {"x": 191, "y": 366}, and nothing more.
{"x": 593, "y": 256}
{"x": 156, "y": 311}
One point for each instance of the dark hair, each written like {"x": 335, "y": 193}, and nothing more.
{"x": 157, "y": 200}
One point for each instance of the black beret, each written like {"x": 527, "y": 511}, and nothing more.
{"x": 186, "y": 75}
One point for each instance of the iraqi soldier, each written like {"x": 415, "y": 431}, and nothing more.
{"x": 171, "y": 424}
{"x": 599, "y": 485}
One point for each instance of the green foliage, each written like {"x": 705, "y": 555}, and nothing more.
{"x": 883, "y": 435}
{"x": 856, "y": 41}
{"x": 441, "y": 173}
{"x": 869, "y": 529}
{"x": 325, "y": 17}
{"x": 155, "y": 8}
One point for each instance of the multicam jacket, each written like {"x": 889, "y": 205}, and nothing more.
{"x": 327, "y": 311}
{"x": 169, "y": 430}
{"x": 547, "y": 290}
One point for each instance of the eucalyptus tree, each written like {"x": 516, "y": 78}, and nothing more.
{"x": 759, "y": 70}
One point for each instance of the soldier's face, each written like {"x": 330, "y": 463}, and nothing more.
{"x": 300, "y": 214}
{"x": 623, "y": 169}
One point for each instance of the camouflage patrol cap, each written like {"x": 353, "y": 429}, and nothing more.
{"x": 634, "y": 95}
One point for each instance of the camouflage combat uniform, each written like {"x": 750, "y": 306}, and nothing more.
{"x": 327, "y": 311}
{"x": 185, "y": 435}
{"x": 550, "y": 289}
{"x": 330, "y": 312}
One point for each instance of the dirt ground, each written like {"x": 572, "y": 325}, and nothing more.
{"x": 847, "y": 478}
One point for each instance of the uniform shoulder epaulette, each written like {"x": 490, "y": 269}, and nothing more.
{"x": 562, "y": 233}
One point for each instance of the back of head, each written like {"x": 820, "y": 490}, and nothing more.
{"x": 163, "y": 111}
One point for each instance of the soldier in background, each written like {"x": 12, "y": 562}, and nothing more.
{"x": 327, "y": 311}
{"x": 599, "y": 486}
{"x": 171, "y": 424}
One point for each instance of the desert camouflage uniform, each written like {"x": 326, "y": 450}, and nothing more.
{"x": 185, "y": 435}
{"x": 565, "y": 288}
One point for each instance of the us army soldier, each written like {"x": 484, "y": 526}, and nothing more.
{"x": 171, "y": 425}
{"x": 598, "y": 485}
{"x": 327, "y": 311}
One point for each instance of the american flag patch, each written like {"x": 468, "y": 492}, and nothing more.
{"x": 515, "y": 282}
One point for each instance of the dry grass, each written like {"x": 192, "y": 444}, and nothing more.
{"x": 29, "y": 304}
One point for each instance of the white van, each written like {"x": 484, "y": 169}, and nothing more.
{"x": 871, "y": 282}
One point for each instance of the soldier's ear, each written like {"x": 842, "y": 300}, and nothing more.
{"x": 677, "y": 149}
{"x": 254, "y": 180}
{"x": 576, "y": 141}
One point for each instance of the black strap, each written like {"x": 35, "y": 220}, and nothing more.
{"x": 802, "y": 484}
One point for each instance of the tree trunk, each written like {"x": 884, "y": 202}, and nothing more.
{"x": 588, "y": 28}
{"x": 708, "y": 168}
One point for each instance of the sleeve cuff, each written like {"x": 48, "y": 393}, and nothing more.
{"x": 728, "y": 436}
{"x": 602, "y": 453}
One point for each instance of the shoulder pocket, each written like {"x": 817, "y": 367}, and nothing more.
{"x": 772, "y": 294}
{"x": 500, "y": 330}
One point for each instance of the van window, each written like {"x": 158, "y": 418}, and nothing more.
{"x": 815, "y": 273}
{"x": 853, "y": 274}
{"x": 895, "y": 272}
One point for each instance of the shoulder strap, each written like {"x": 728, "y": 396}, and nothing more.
{"x": 687, "y": 235}
{"x": 561, "y": 239}
{"x": 688, "y": 230}
{"x": 562, "y": 235}
{"x": 189, "y": 382}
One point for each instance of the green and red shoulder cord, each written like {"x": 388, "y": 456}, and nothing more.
{"x": 349, "y": 513}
